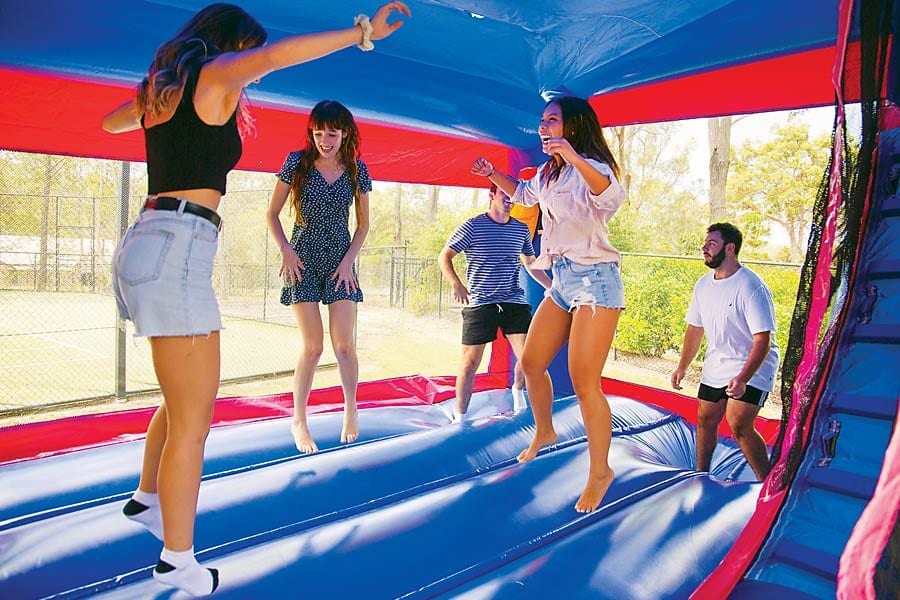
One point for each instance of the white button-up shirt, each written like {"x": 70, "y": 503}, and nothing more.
{"x": 575, "y": 220}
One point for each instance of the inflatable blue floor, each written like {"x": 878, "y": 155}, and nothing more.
{"x": 420, "y": 508}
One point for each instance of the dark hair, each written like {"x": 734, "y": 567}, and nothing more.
{"x": 582, "y": 129}
{"x": 328, "y": 114}
{"x": 730, "y": 235}
{"x": 493, "y": 187}
{"x": 214, "y": 30}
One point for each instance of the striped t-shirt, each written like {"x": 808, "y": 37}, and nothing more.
{"x": 492, "y": 258}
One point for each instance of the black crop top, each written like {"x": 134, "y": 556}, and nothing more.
{"x": 184, "y": 153}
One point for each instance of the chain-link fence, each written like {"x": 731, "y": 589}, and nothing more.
{"x": 59, "y": 335}
{"x": 60, "y": 220}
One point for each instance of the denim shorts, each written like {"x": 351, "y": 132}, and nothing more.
{"x": 577, "y": 285}
{"x": 162, "y": 275}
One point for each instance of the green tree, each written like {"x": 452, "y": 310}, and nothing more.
{"x": 775, "y": 182}
{"x": 661, "y": 213}
{"x": 657, "y": 293}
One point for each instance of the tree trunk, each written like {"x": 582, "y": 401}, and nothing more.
{"x": 719, "y": 129}
{"x": 398, "y": 218}
{"x": 621, "y": 157}
{"x": 433, "y": 192}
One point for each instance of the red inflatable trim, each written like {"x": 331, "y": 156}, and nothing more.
{"x": 799, "y": 80}
{"x": 35, "y": 440}
{"x": 55, "y": 114}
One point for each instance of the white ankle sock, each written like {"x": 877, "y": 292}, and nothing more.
{"x": 518, "y": 395}
{"x": 144, "y": 509}
{"x": 181, "y": 570}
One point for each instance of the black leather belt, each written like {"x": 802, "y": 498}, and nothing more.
{"x": 171, "y": 203}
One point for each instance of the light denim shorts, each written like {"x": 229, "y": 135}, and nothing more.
{"x": 162, "y": 275}
{"x": 577, "y": 285}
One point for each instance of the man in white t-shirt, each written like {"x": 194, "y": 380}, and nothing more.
{"x": 733, "y": 307}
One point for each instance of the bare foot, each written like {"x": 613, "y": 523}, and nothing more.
{"x": 594, "y": 490}
{"x": 302, "y": 438}
{"x": 350, "y": 430}
{"x": 537, "y": 443}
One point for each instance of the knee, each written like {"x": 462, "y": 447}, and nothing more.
{"x": 708, "y": 421}
{"x": 189, "y": 432}
{"x": 741, "y": 428}
{"x": 531, "y": 368}
{"x": 585, "y": 387}
{"x": 344, "y": 350}
{"x": 468, "y": 365}
{"x": 311, "y": 353}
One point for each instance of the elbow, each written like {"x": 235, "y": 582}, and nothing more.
{"x": 109, "y": 125}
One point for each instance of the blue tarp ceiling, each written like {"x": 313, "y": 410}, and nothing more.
{"x": 463, "y": 74}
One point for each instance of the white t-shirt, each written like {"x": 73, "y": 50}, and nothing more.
{"x": 730, "y": 311}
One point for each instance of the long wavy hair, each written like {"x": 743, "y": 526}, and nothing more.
{"x": 214, "y": 30}
{"x": 327, "y": 114}
{"x": 582, "y": 129}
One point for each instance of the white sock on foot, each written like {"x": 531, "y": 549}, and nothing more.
{"x": 181, "y": 570}
{"x": 518, "y": 395}
{"x": 144, "y": 509}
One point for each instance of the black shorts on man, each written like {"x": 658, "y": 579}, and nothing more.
{"x": 480, "y": 323}
{"x": 752, "y": 395}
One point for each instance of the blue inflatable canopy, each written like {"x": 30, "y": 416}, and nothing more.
{"x": 462, "y": 78}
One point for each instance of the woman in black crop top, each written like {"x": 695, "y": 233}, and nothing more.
{"x": 189, "y": 105}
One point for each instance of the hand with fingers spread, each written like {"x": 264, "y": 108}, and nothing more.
{"x": 380, "y": 26}
{"x": 344, "y": 278}
{"x": 291, "y": 266}
{"x": 460, "y": 293}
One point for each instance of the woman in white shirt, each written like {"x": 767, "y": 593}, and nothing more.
{"x": 578, "y": 193}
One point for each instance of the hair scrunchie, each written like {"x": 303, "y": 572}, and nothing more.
{"x": 362, "y": 21}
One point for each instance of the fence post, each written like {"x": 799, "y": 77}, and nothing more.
{"x": 266, "y": 280}
{"x": 405, "y": 273}
{"x": 95, "y": 232}
{"x": 124, "y": 192}
{"x": 393, "y": 269}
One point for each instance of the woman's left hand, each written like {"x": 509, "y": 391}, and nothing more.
{"x": 343, "y": 276}
{"x": 561, "y": 146}
{"x": 380, "y": 26}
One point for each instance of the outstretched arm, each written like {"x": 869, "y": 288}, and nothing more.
{"x": 234, "y": 70}
{"x": 483, "y": 167}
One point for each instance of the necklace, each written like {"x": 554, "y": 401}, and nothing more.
{"x": 330, "y": 173}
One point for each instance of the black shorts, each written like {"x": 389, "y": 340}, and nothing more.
{"x": 754, "y": 396}
{"x": 480, "y": 323}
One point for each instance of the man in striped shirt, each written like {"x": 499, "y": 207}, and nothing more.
{"x": 493, "y": 244}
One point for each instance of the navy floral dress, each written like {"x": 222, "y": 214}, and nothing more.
{"x": 325, "y": 238}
